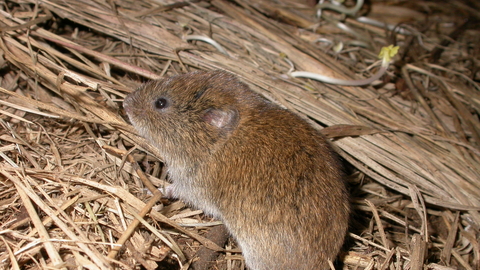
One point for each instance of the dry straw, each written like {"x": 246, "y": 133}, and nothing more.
{"x": 68, "y": 188}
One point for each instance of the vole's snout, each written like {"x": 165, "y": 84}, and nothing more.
{"x": 128, "y": 104}
{"x": 136, "y": 107}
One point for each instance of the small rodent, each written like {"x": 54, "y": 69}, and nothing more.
{"x": 273, "y": 180}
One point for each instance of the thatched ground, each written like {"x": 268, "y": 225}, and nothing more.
{"x": 72, "y": 194}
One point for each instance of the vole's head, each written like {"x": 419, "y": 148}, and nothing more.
{"x": 189, "y": 114}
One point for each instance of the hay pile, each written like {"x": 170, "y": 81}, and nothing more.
{"x": 70, "y": 185}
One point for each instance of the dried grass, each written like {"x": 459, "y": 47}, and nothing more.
{"x": 70, "y": 192}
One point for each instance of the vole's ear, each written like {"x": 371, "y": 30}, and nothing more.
{"x": 221, "y": 118}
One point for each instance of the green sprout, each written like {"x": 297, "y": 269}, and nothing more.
{"x": 386, "y": 54}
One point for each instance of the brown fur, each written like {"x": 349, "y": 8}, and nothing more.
{"x": 267, "y": 174}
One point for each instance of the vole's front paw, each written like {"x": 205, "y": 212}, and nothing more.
{"x": 168, "y": 192}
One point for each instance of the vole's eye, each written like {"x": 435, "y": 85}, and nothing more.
{"x": 161, "y": 103}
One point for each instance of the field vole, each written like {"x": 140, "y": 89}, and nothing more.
{"x": 266, "y": 173}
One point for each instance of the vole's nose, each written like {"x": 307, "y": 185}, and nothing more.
{"x": 128, "y": 103}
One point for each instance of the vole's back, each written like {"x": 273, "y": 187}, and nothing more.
{"x": 281, "y": 192}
